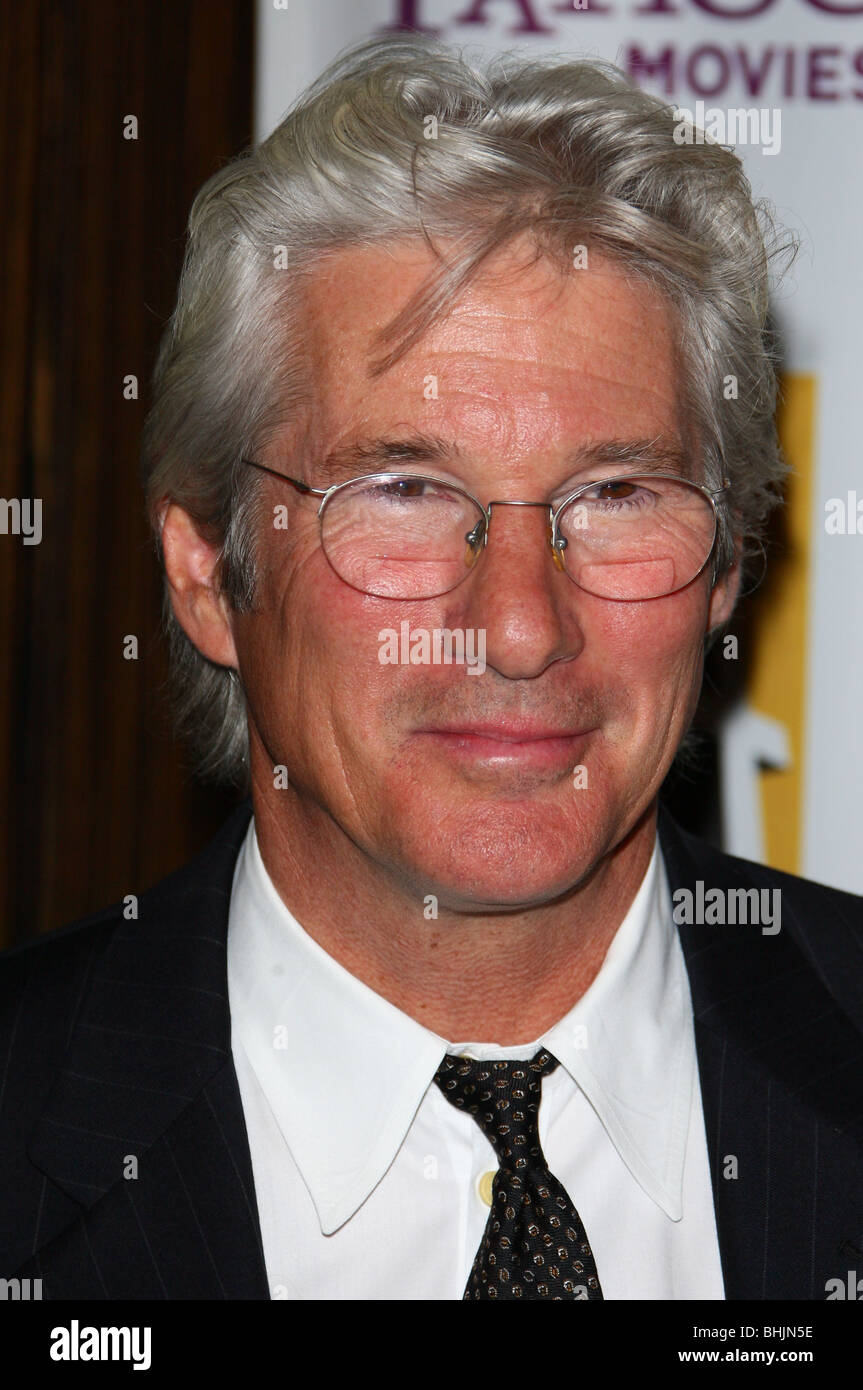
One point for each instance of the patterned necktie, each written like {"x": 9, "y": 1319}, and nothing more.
{"x": 534, "y": 1244}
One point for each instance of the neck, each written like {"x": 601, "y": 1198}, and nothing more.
{"x": 489, "y": 976}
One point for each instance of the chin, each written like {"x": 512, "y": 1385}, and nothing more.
{"x": 503, "y": 855}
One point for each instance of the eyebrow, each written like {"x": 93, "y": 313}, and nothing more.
{"x": 371, "y": 455}
{"x": 656, "y": 454}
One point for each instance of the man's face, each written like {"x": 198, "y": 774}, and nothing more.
{"x": 530, "y": 367}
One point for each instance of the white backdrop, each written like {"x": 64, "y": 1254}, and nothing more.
{"x": 803, "y": 711}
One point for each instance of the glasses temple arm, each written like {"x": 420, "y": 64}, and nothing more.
{"x": 295, "y": 482}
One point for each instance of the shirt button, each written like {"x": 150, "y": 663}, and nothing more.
{"x": 484, "y": 1186}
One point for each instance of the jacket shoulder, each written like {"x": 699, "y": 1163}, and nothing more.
{"x": 49, "y": 973}
{"x": 823, "y": 925}
{"x": 60, "y": 955}
{"x": 43, "y": 982}
{"x": 687, "y": 853}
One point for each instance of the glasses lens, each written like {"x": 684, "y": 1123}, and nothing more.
{"x": 637, "y": 538}
{"x": 400, "y": 536}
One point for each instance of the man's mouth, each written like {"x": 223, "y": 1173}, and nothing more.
{"x": 510, "y": 743}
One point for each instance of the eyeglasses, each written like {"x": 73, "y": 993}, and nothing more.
{"x": 406, "y": 536}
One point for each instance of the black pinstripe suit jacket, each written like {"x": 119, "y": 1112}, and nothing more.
{"x": 124, "y": 1162}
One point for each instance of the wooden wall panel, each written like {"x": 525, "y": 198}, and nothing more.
{"x": 97, "y": 800}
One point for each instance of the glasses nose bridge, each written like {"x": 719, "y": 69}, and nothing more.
{"x": 551, "y": 528}
{"x": 517, "y": 502}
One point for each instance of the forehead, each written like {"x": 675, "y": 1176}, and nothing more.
{"x": 526, "y": 354}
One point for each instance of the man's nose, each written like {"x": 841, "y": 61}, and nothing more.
{"x": 526, "y": 604}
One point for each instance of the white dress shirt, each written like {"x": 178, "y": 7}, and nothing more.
{"x": 371, "y": 1185}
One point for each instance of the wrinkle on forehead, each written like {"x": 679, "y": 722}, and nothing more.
{"x": 525, "y": 356}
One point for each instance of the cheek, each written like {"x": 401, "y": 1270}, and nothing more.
{"x": 649, "y": 647}
{"x": 331, "y": 641}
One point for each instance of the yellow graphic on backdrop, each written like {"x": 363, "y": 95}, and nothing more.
{"x": 777, "y": 677}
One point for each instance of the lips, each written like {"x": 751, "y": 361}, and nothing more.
{"x": 511, "y": 744}
{"x": 508, "y": 731}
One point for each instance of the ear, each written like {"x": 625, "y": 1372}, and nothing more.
{"x": 725, "y": 592}
{"x": 190, "y": 567}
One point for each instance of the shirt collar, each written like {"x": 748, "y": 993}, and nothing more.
{"x": 629, "y": 1043}
{"x": 342, "y": 1068}
{"x": 344, "y": 1071}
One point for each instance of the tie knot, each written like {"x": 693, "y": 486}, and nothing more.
{"x": 503, "y": 1098}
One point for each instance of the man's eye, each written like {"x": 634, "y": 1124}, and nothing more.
{"x": 614, "y": 495}
{"x": 402, "y": 489}
{"x": 408, "y": 487}
{"x": 614, "y": 491}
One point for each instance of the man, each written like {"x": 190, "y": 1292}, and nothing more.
{"x": 450, "y": 499}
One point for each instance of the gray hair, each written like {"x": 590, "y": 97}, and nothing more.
{"x": 567, "y": 151}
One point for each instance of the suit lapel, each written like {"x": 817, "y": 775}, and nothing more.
{"x": 144, "y": 1128}
{"x": 781, "y": 1069}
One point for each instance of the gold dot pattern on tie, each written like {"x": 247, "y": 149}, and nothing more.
{"x": 534, "y": 1245}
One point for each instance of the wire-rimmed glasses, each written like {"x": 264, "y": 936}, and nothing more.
{"x": 407, "y": 536}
